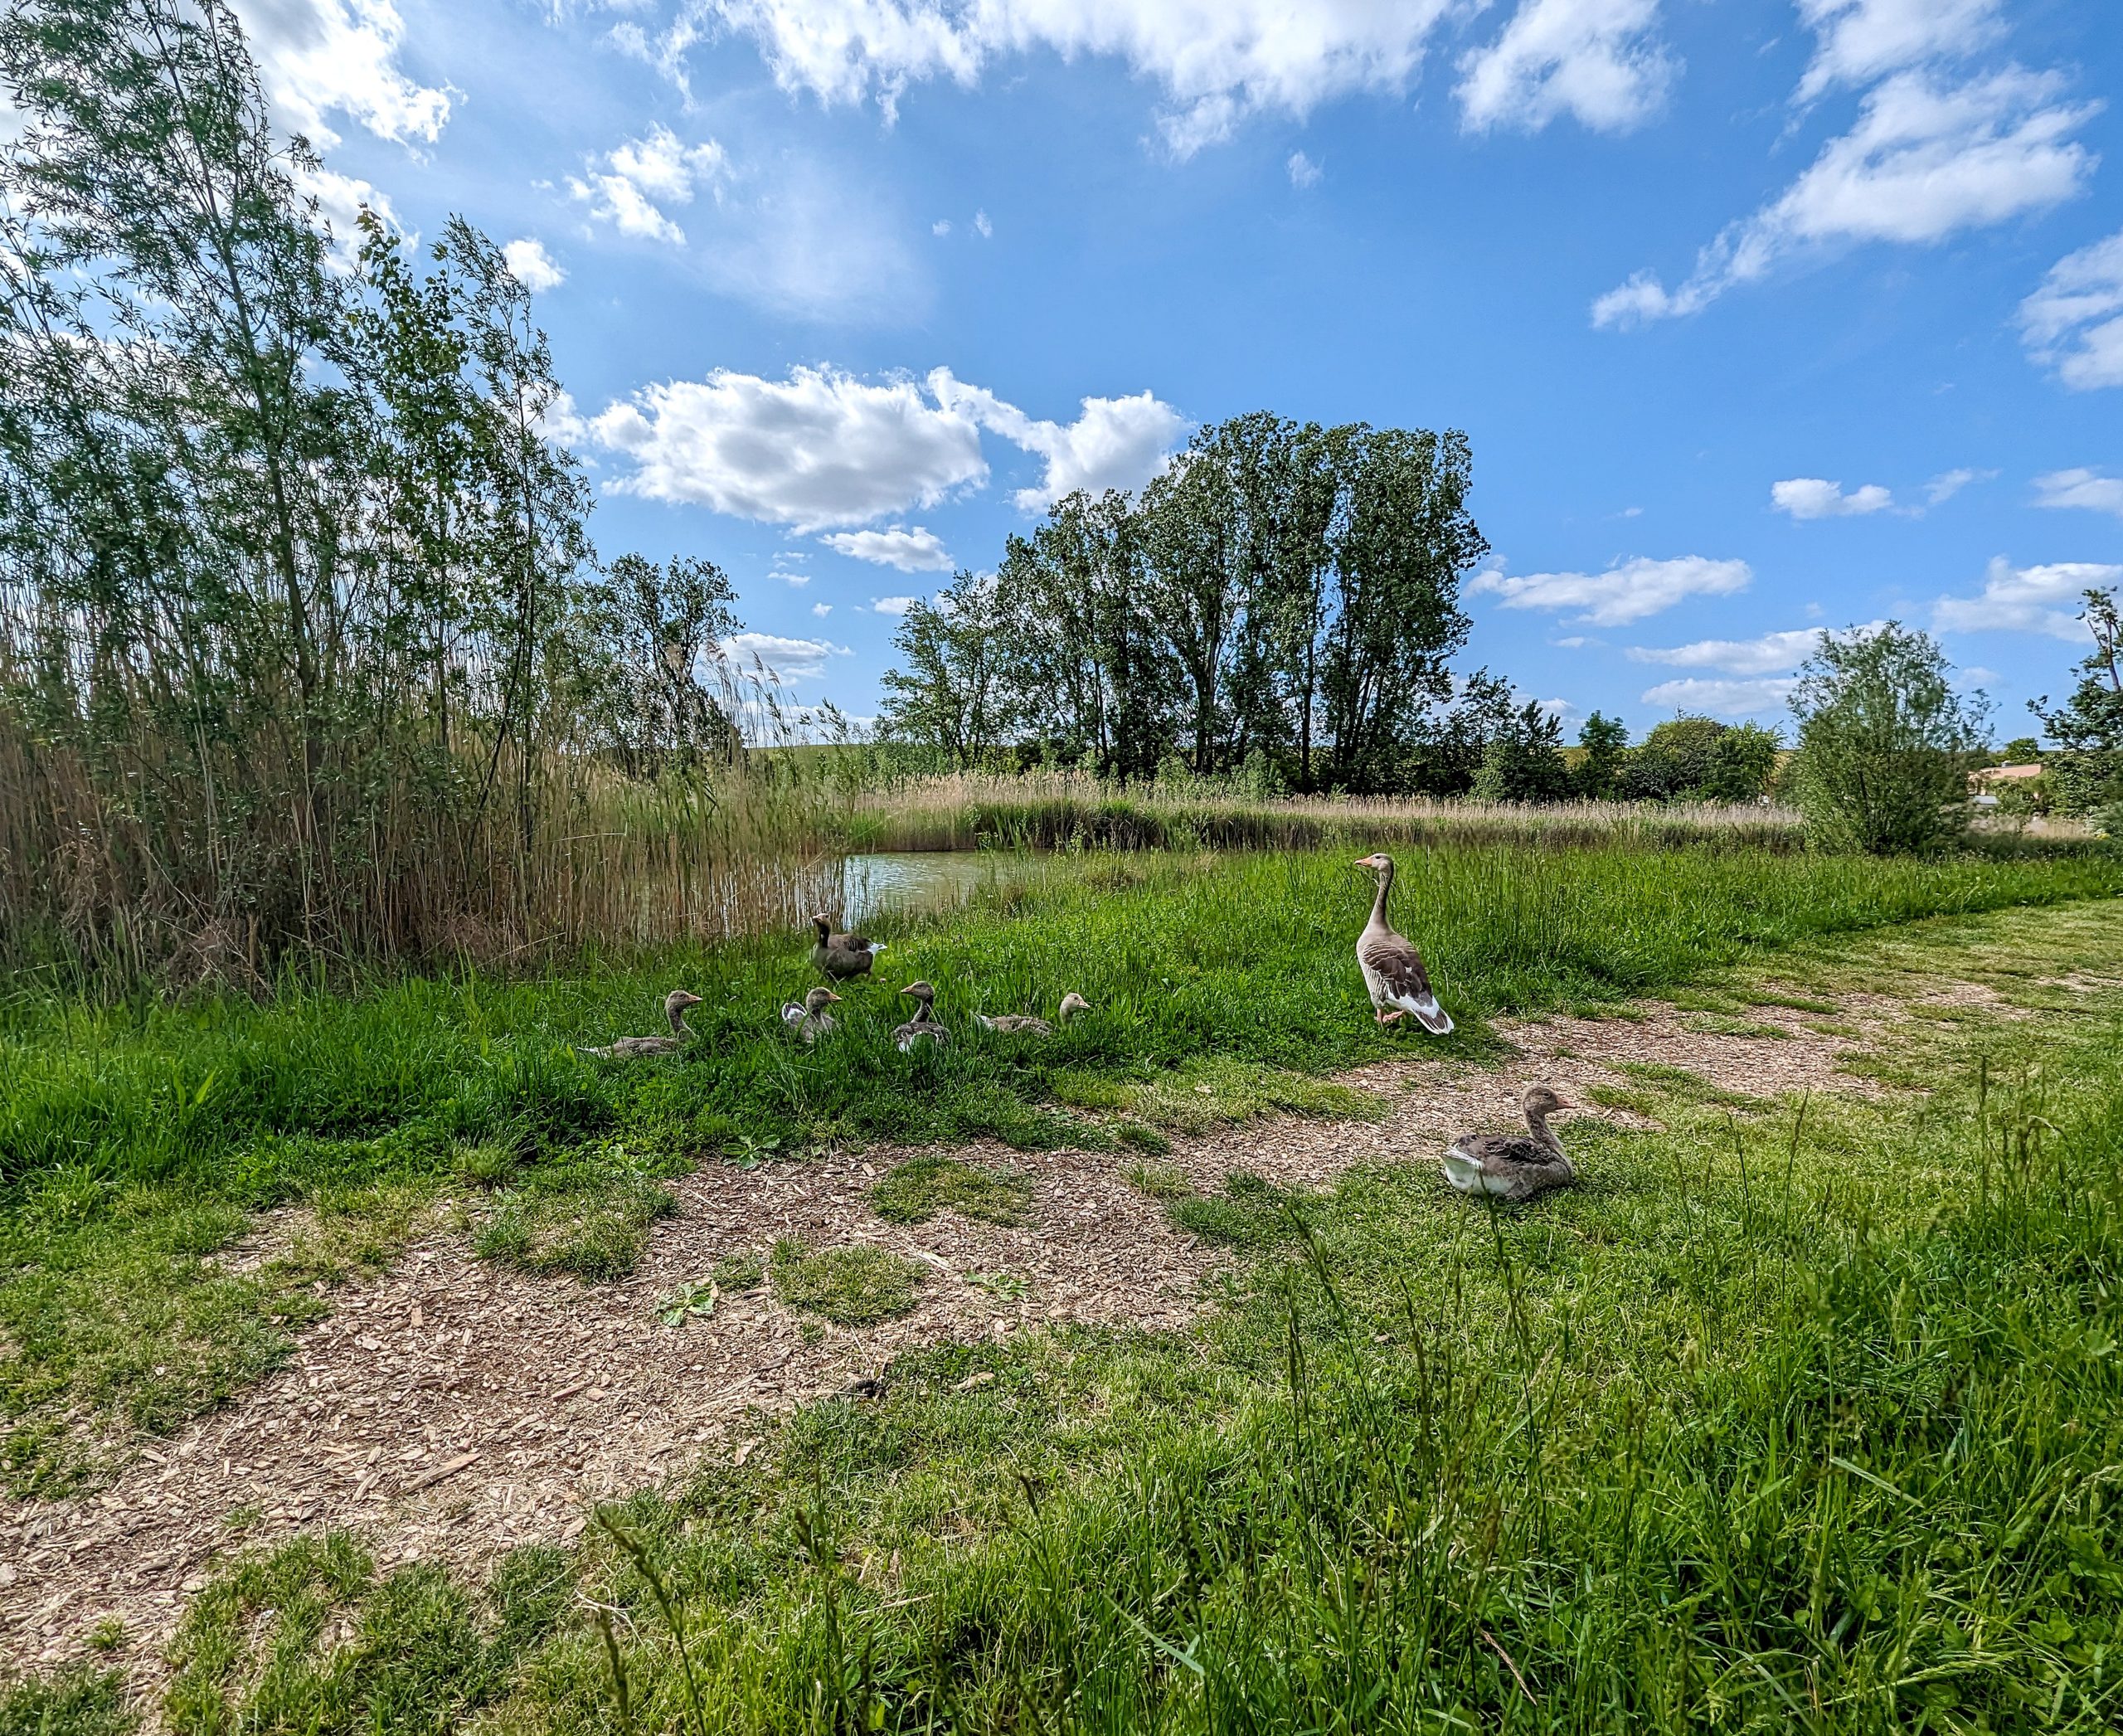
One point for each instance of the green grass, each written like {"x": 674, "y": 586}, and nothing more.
{"x": 917, "y": 1189}
{"x": 855, "y": 1284}
{"x": 136, "y": 1137}
{"x": 1807, "y": 1419}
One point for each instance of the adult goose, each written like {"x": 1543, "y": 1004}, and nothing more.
{"x": 1392, "y": 968}
{"x": 1514, "y": 1166}
{"x": 923, "y": 1027}
{"x": 842, "y": 955}
{"x": 807, "y": 1016}
{"x": 1029, "y": 1025}
{"x": 629, "y": 1048}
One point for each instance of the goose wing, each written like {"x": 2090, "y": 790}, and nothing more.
{"x": 1400, "y": 978}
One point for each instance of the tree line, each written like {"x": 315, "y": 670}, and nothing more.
{"x": 299, "y": 614}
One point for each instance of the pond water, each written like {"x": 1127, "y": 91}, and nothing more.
{"x": 926, "y": 880}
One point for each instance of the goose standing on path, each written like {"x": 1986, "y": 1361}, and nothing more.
{"x": 923, "y": 1027}
{"x": 1030, "y": 1025}
{"x": 1512, "y": 1165}
{"x": 809, "y": 1017}
{"x": 1392, "y": 968}
{"x": 628, "y": 1048}
{"x": 842, "y": 955}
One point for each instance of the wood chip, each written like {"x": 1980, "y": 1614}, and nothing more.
{"x": 448, "y": 1468}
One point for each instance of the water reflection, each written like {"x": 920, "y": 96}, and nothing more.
{"x": 926, "y": 880}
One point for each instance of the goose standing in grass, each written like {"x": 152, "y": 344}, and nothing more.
{"x": 840, "y": 957}
{"x": 628, "y": 1048}
{"x": 807, "y": 1016}
{"x": 1031, "y": 1024}
{"x": 923, "y": 1027}
{"x": 1392, "y": 968}
{"x": 1514, "y": 1166}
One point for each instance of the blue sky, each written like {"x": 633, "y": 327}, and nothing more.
{"x": 1763, "y": 316}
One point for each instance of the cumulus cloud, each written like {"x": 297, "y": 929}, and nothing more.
{"x": 1861, "y": 39}
{"x": 319, "y": 57}
{"x": 1115, "y": 443}
{"x": 2026, "y": 598}
{"x": 1597, "y": 60}
{"x": 1304, "y": 170}
{"x": 1926, "y": 160}
{"x": 893, "y": 605}
{"x": 1712, "y": 696}
{"x": 942, "y": 225}
{"x": 1218, "y": 61}
{"x": 2086, "y": 489}
{"x": 818, "y": 449}
{"x": 822, "y": 450}
{"x": 821, "y": 610}
{"x": 1626, "y": 592}
{"x": 787, "y": 659}
{"x": 2073, "y": 322}
{"x": 535, "y": 268}
{"x": 629, "y": 185}
{"x": 1815, "y": 497}
{"x": 339, "y": 199}
{"x": 1769, "y": 653}
{"x": 911, "y": 551}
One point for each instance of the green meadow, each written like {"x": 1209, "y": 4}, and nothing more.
{"x": 1796, "y": 1415}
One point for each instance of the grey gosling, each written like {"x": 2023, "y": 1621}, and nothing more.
{"x": 840, "y": 957}
{"x": 628, "y": 1048}
{"x": 1514, "y": 1166}
{"x": 1028, "y": 1024}
{"x": 807, "y": 1016}
{"x": 1392, "y": 968}
{"x": 923, "y": 1027}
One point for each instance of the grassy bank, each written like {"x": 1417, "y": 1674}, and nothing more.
{"x": 1068, "y": 810}
{"x": 1793, "y": 1417}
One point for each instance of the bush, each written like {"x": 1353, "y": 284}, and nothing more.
{"x": 1885, "y": 744}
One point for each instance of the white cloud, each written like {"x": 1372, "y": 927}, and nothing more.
{"x": 791, "y": 659}
{"x": 1861, "y": 39}
{"x": 1947, "y": 484}
{"x": 893, "y": 605}
{"x": 942, "y": 225}
{"x": 2073, "y": 322}
{"x": 911, "y": 551}
{"x": 818, "y": 449}
{"x": 822, "y": 450}
{"x": 1597, "y": 59}
{"x": 1715, "y": 697}
{"x": 1923, "y": 163}
{"x": 987, "y": 229}
{"x": 1219, "y": 61}
{"x": 2026, "y": 598}
{"x": 1304, "y": 170}
{"x": 316, "y": 57}
{"x": 625, "y": 186}
{"x": 1815, "y": 497}
{"x": 1626, "y": 592}
{"x": 1115, "y": 443}
{"x": 821, "y": 610}
{"x": 339, "y": 202}
{"x": 2087, "y": 489}
{"x": 535, "y": 268}
{"x": 1770, "y": 653}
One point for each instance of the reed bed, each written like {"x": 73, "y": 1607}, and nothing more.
{"x": 1053, "y": 810}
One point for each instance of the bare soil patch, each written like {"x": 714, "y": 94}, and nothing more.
{"x": 453, "y": 1409}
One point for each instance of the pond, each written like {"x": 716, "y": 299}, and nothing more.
{"x": 920, "y": 880}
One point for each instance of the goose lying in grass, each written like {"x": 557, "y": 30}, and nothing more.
{"x": 842, "y": 955}
{"x": 807, "y": 1016}
{"x": 1512, "y": 1165}
{"x": 628, "y": 1048}
{"x": 1030, "y": 1025}
{"x": 923, "y": 1027}
{"x": 1392, "y": 968}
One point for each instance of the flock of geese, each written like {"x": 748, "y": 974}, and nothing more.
{"x": 1506, "y": 1166}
